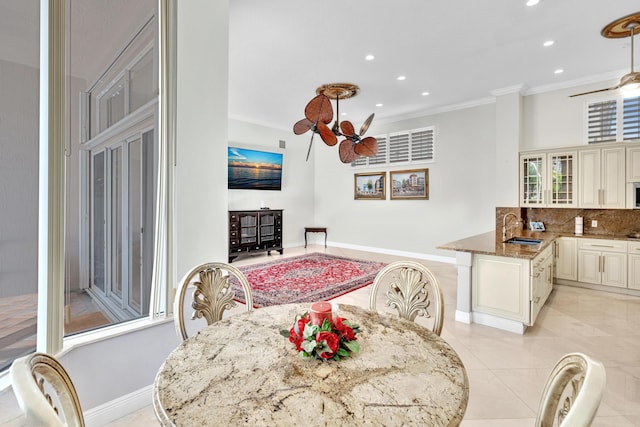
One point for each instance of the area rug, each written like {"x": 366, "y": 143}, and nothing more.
{"x": 305, "y": 278}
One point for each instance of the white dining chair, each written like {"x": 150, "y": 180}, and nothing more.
{"x": 212, "y": 294}
{"x": 573, "y": 392}
{"x": 412, "y": 290}
{"x": 45, "y": 392}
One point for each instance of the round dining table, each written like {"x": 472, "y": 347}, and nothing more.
{"x": 242, "y": 371}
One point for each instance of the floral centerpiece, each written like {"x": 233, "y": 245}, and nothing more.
{"x": 333, "y": 339}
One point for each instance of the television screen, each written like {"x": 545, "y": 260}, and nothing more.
{"x": 254, "y": 170}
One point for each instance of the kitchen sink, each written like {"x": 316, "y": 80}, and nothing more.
{"x": 523, "y": 241}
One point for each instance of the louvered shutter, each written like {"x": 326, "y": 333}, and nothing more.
{"x": 602, "y": 122}
{"x": 422, "y": 145}
{"x": 631, "y": 119}
{"x": 381, "y": 157}
{"x": 399, "y": 148}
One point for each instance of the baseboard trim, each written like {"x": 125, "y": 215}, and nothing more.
{"x": 428, "y": 257}
{"x": 119, "y": 407}
{"x": 499, "y": 322}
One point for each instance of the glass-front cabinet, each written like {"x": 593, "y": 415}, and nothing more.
{"x": 547, "y": 179}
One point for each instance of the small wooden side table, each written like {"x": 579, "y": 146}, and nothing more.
{"x": 315, "y": 230}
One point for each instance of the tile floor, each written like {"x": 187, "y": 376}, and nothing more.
{"x": 507, "y": 371}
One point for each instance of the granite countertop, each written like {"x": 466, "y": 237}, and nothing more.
{"x": 490, "y": 243}
{"x": 241, "y": 371}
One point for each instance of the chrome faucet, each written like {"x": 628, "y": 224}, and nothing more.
{"x": 504, "y": 224}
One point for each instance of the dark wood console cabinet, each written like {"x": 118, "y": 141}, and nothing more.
{"x": 255, "y": 231}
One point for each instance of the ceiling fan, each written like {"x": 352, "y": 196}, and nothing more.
{"x": 318, "y": 114}
{"x": 627, "y": 26}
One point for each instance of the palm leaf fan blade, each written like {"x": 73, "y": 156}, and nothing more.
{"x": 327, "y": 135}
{"x": 301, "y": 126}
{"x": 366, "y": 124}
{"x": 319, "y": 109}
{"x": 367, "y": 147}
{"x": 346, "y": 153}
{"x": 347, "y": 128}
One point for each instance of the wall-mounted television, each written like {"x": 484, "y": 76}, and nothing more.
{"x": 254, "y": 170}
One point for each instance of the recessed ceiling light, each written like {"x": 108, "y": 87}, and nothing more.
{"x": 559, "y": 71}
{"x": 548, "y": 43}
{"x": 425, "y": 93}
{"x": 378, "y": 105}
{"x": 532, "y": 2}
{"x": 370, "y": 57}
{"x": 401, "y": 77}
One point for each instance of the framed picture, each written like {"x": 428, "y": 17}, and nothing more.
{"x": 369, "y": 186}
{"x": 409, "y": 184}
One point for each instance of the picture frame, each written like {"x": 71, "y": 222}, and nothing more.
{"x": 369, "y": 186}
{"x": 411, "y": 184}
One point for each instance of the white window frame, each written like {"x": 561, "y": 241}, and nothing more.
{"x": 52, "y": 179}
{"x": 384, "y": 148}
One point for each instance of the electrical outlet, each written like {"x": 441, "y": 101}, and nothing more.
{"x": 594, "y": 223}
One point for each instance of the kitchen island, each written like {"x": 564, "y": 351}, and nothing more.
{"x": 502, "y": 285}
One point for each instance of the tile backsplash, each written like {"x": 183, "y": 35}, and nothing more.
{"x": 611, "y": 222}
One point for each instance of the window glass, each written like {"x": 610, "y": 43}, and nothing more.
{"x": 141, "y": 82}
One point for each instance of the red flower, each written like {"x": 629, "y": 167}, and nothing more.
{"x": 331, "y": 340}
{"x": 296, "y": 333}
{"x": 344, "y": 331}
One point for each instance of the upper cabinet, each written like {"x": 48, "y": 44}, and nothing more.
{"x": 633, "y": 162}
{"x": 547, "y": 179}
{"x": 601, "y": 178}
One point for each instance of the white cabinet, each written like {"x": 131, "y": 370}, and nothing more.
{"x": 601, "y": 178}
{"x": 547, "y": 179}
{"x": 512, "y": 288}
{"x": 602, "y": 262}
{"x": 634, "y": 265}
{"x": 633, "y": 162}
{"x": 566, "y": 258}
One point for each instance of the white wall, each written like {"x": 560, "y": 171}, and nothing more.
{"x": 18, "y": 178}
{"x": 202, "y": 127}
{"x": 553, "y": 119}
{"x": 296, "y": 196}
{"x": 461, "y": 197}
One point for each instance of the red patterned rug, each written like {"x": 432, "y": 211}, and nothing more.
{"x": 306, "y": 278}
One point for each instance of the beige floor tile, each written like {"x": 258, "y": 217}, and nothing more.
{"x": 490, "y": 398}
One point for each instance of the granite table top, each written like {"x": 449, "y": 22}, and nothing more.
{"x": 241, "y": 371}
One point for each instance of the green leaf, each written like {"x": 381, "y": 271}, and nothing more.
{"x": 352, "y": 346}
{"x": 284, "y": 333}
{"x": 342, "y": 352}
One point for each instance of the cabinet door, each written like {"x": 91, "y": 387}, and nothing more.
{"x": 501, "y": 286}
{"x": 589, "y": 267}
{"x": 613, "y": 178}
{"x": 614, "y": 269}
{"x": 634, "y": 272}
{"x": 566, "y": 258}
{"x": 531, "y": 179}
{"x": 561, "y": 177}
{"x": 633, "y": 163}
{"x": 589, "y": 178}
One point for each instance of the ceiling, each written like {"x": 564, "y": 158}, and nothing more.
{"x": 461, "y": 52}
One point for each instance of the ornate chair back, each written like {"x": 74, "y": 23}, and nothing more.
{"x": 573, "y": 392}
{"x": 412, "y": 290}
{"x": 212, "y": 294}
{"x": 45, "y": 392}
